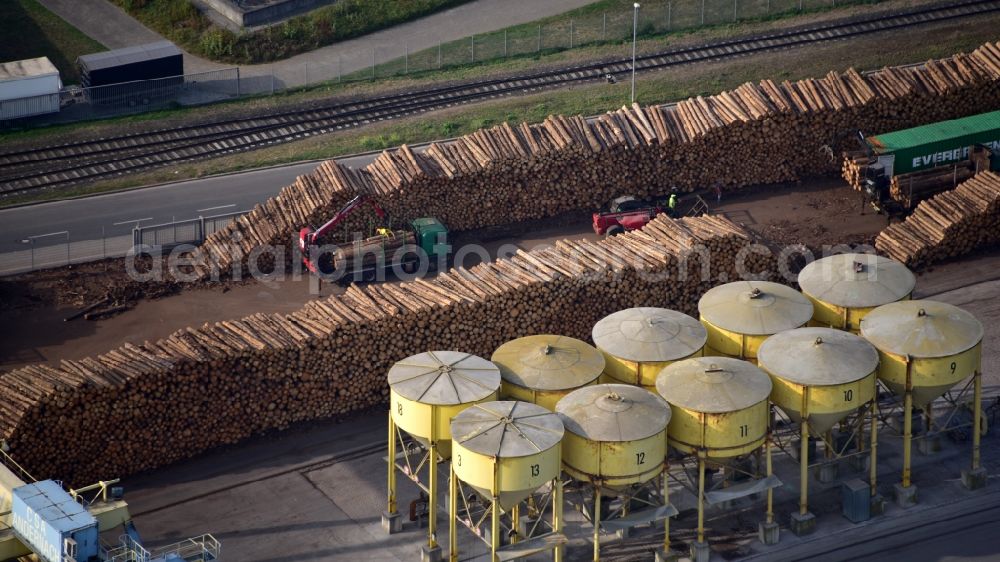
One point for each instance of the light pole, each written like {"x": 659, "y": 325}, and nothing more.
{"x": 635, "y": 30}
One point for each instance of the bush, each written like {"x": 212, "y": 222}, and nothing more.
{"x": 218, "y": 43}
{"x": 181, "y": 22}
{"x": 381, "y": 142}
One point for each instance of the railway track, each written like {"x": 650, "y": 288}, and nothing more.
{"x": 79, "y": 162}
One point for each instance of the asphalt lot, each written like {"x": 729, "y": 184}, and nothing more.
{"x": 316, "y": 493}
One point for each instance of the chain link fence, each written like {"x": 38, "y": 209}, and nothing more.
{"x": 58, "y": 249}
{"x": 654, "y": 18}
{"x": 176, "y": 233}
{"x": 79, "y": 104}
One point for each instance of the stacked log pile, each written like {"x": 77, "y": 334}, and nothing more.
{"x": 950, "y": 224}
{"x": 142, "y": 406}
{"x": 911, "y": 189}
{"x": 756, "y": 134}
{"x": 853, "y": 166}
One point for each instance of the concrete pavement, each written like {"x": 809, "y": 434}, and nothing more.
{"x": 111, "y": 26}
{"x": 316, "y": 493}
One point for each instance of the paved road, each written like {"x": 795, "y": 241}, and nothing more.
{"x": 118, "y": 213}
{"x": 114, "y": 28}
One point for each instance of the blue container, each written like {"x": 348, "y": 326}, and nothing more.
{"x": 52, "y": 524}
{"x": 856, "y": 500}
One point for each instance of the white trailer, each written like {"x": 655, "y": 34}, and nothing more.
{"x": 28, "y": 87}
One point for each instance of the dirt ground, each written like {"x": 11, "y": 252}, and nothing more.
{"x": 816, "y": 213}
{"x": 33, "y": 307}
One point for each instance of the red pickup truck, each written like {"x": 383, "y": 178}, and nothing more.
{"x": 626, "y": 213}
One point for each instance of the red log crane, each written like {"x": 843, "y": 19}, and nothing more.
{"x": 308, "y": 236}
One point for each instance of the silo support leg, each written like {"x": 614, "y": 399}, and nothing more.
{"x": 666, "y": 502}
{"x": 392, "y": 466}
{"x": 803, "y": 522}
{"x": 975, "y": 477}
{"x": 515, "y": 523}
{"x": 452, "y": 516}
{"x": 557, "y": 516}
{"x": 495, "y": 529}
{"x": 906, "y": 494}
{"x": 700, "y": 551}
{"x": 804, "y": 468}
{"x": 873, "y": 463}
{"x": 701, "y": 500}
{"x": 907, "y": 436}
{"x": 768, "y": 531}
{"x": 596, "y": 520}
{"x": 770, "y": 491}
{"x": 877, "y": 506}
{"x": 391, "y": 521}
{"x": 432, "y": 489}
{"x": 977, "y": 412}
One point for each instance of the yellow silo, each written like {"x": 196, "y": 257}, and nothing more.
{"x": 638, "y": 343}
{"x": 926, "y": 348}
{"x": 820, "y": 376}
{"x": 719, "y": 410}
{"x": 506, "y": 451}
{"x": 616, "y": 441}
{"x": 425, "y": 392}
{"x": 542, "y": 369}
{"x": 739, "y": 316}
{"x": 845, "y": 287}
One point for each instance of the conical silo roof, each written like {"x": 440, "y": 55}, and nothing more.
{"x": 857, "y": 280}
{"x": 444, "y": 378}
{"x": 613, "y": 412}
{"x": 713, "y": 385}
{"x": 922, "y": 329}
{"x": 648, "y": 334}
{"x": 507, "y": 429}
{"x": 817, "y": 356}
{"x": 548, "y": 362}
{"x": 755, "y": 307}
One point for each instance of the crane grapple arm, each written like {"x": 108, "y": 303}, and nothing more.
{"x": 349, "y": 208}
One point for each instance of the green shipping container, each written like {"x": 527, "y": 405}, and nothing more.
{"x": 937, "y": 144}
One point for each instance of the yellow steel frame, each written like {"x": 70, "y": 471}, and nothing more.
{"x": 413, "y": 463}
{"x": 867, "y": 409}
{"x": 704, "y": 461}
{"x": 855, "y": 421}
{"x": 658, "y": 487}
{"x": 474, "y": 519}
{"x": 975, "y": 382}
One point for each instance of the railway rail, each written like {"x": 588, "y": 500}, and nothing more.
{"x": 78, "y": 162}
